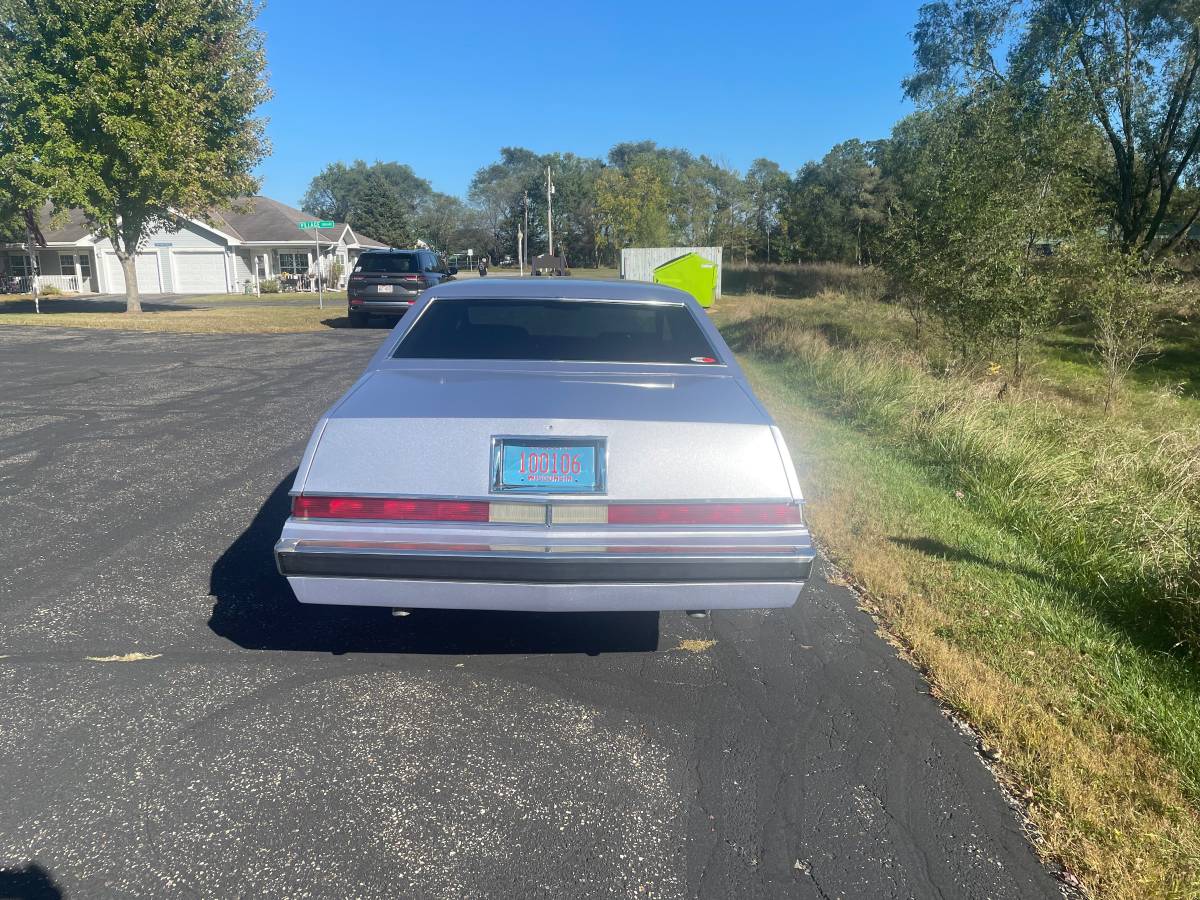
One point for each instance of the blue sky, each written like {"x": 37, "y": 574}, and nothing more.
{"x": 443, "y": 86}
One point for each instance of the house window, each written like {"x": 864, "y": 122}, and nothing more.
{"x": 66, "y": 262}
{"x": 293, "y": 263}
{"x": 19, "y": 266}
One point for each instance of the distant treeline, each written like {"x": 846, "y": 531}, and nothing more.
{"x": 639, "y": 195}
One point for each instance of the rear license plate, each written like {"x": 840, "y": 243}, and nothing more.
{"x": 383, "y": 288}
{"x": 567, "y": 466}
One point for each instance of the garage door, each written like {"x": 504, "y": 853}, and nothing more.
{"x": 147, "y": 273}
{"x": 200, "y": 273}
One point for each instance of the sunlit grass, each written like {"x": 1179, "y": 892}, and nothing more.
{"x": 1036, "y": 557}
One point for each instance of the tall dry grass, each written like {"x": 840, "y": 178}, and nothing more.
{"x": 800, "y": 280}
{"x": 1115, "y": 509}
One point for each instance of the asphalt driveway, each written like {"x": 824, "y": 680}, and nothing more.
{"x": 172, "y": 722}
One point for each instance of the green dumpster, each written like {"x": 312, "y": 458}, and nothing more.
{"x": 692, "y": 273}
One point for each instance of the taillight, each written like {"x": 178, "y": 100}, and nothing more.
{"x": 416, "y": 280}
{"x": 704, "y": 514}
{"x": 389, "y": 509}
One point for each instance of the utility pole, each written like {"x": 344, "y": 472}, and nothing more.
{"x": 549, "y": 214}
{"x": 521, "y": 250}
{"x": 526, "y": 238}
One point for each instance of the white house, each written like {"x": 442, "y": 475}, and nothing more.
{"x": 225, "y": 252}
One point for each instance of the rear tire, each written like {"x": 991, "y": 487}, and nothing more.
{"x": 358, "y": 319}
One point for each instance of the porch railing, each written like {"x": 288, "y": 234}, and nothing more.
{"x": 67, "y": 283}
{"x": 23, "y": 284}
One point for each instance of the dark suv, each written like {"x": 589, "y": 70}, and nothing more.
{"x": 386, "y": 282}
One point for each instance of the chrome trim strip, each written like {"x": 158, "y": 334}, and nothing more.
{"x": 294, "y": 560}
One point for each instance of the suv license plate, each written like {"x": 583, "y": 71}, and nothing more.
{"x": 383, "y": 288}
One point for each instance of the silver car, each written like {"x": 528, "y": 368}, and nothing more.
{"x": 548, "y": 444}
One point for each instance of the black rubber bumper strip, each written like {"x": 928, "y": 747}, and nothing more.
{"x": 543, "y": 570}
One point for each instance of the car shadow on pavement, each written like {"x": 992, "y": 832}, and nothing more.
{"x": 50, "y": 306}
{"x": 31, "y": 882}
{"x": 255, "y": 608}
{"x": 376, "y": 322}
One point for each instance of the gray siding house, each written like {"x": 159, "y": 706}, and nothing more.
{"x": 226, "y": 252}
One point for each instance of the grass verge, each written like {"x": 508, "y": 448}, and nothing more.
{"x": 225, "y": 319}
{"x": 1034, "y": 562}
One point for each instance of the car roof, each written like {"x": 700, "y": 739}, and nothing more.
{"x": 391, "y": 250}
{"x": 551, "y": 288}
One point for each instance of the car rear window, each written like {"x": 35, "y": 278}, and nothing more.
{"x": 574, "y": 330}
{"x": 388, "y": 262}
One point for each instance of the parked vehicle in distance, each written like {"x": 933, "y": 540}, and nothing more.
{"x": 507, "y": 262}
{"x": 548, "y": 444}
{"x": 386, "y": 282}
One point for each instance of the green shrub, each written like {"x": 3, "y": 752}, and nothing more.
{"x": 269, "y": 286}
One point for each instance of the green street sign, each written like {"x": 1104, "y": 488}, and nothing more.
{"x": 324, "y": 223}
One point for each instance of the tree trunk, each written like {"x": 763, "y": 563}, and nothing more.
{"x": 133, "y": 299}
{"x": 35, "y": 288}
{"x": 1018, "y": 362}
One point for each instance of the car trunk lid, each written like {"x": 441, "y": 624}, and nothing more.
{"x": 418, "y": 432}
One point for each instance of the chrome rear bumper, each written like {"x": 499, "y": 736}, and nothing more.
{"x": 544, "y": 597}
{"x": 384, "y": 307}
{"x": 527, "y": 569}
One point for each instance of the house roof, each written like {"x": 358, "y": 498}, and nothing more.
{"x": 365, "y": 241}
{"x": 253, "y": 220}
{"x": 263, "y": 219}
{"x": 258, "y": 219}
{"x": 73, "y": 229}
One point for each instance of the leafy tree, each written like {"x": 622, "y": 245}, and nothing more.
{"x": 836, "y": 207}
{"x": 447, "y": 223}
{"x": 380, "y": 213}
{"x": 632, "y": 207}
{"x": 987, "y": 186}
{"x": 1133, "y": 64}
{"x": 135, "y": 113}
{"x": 498, "y": 192}
{"x": 1122, "y": 298}
{"x": 576, "y": 213}
{"x": 766, "y": 186}
{"x": 383, "y": 200}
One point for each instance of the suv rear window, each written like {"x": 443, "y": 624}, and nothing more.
{"x": 573, "y": 330}
{"x": 388, "y": 262}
